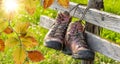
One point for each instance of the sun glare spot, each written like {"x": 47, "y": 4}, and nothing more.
{"x": 10, "y": 5}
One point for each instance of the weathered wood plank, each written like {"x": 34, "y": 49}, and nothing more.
{"x": 99, "y": 18}
{"x": 103, "y": 46}
{"x": 47, "y": 24}
{"x": 96, "y": 43}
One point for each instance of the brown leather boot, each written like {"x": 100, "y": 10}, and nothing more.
{"x": 75, "y": 41}
{"x": 56, "y": 35}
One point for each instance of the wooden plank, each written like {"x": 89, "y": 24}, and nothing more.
{"x": 99, "y": 18}
{"x": 103, "y": 46}
{"x": 96, "y": 43}
{"x": 47, "y": 24}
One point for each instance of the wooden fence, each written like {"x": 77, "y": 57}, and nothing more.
{"x": 96, "y": 17}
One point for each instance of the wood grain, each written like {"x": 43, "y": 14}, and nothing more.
{"x": 99, "y": 18}
{"x": 95, "y": 42}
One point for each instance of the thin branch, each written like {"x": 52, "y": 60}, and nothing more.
{"x": 15, "y": 33}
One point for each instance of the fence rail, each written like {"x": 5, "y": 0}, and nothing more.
{"x": 99, "y": 18}
{"x": 95, "y": 42}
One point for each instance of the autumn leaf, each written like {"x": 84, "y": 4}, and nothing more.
{"x": 29, "y": 33}
{"x": 3, "y": 25}
{"x": 47, "y": 3}
{"x": 30, "y": 10}
{"x": 8, "y": 30}
{"x": 22, "y": 27}
{"x": 35, "y": 56}
{"x": 11, "y": 42}
{"x": 33, "y": 40}
{"x": 19, "y": 55}
{"x": 30, "y": 6}
{"x": 64, "y": 3}
{"x": 29, "y": 41}
{"x": 2, "y": 45}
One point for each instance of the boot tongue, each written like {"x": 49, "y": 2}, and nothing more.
{"x": 72, "y": 29}
{"x": 66, "y": 16}
{"x": 63, "y": 17}
{"x": 77, "y": 30}
{"x": 79, "y": 27}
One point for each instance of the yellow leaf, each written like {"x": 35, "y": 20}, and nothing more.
{"x": 30, "y": 10}
{"x": 19, "y": 55}
{"x": 29, "y": 41}
{"x": 29, "y": 33}
{"x": 30, "y": 3}
{"x": 22, "y": 27}
{"x": 33, "y": 40}
{"x": 3, "y": 25}
{"x": 47, "y": 3}
{"x": 64, "y": 3}
{"x": 35, "y": 56}
{"x": 11, "y": 42}
{"x": 26, "y": 62}
{"x": 8, "y": 30}
{"x": 30, "y": 6}
{"x": 2, "y": 45}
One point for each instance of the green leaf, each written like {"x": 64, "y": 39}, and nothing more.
{"x": 19, "y": 55}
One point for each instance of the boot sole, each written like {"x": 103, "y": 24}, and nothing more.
{"x": 53, "y": 44}
{"x": 67, "y": 50}
{"x": 84, "y": 55}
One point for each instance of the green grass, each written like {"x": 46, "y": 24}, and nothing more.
{"x": 57, "y": 57}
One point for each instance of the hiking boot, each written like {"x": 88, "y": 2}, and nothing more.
{"x": 56, "y": 35}
{"x": 75, "y": 41}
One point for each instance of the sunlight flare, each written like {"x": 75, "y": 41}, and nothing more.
{"x": 10, "y": 5}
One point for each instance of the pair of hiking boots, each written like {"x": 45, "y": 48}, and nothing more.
{"x": 68, "y": 37}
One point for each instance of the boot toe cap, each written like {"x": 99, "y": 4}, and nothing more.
{"x": 84, "y": 55}
{"x": 53, "y": 44}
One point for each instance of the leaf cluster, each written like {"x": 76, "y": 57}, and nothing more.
{"x": 21, "y": 42}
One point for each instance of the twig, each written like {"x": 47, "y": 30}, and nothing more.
{"x": 15, "y": 32}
